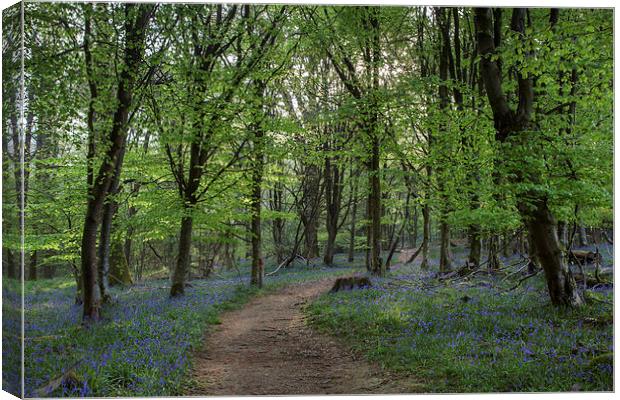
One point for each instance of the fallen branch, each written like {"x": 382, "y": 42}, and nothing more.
{"x": 410, "y": 260}
{"x": 523, "y": 280}
{"x": 517, "y": 271}
{"x": 69, "y": 377}
{"x": 277, "y": 269}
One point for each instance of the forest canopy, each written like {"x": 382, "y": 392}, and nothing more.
{"x": 169, "y": 140}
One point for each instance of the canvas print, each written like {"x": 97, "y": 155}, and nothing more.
{"x": 284, "y": 199}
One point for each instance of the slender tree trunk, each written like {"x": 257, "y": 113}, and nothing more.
{"x": 278, "y": 222}
{"x": 506, "y": 245}
{"x": 183, "y": 257}
{"x": 255, "y": 202}
{"x": 109, "y": 211}
{"x": 331, "y": 220}
{"x": 11, "y": 266}
{"x": 583, "y": 237}
{"x": 426, "y": 235}
{"x": 32, "y": 267}
{"x": 333, "y": 178}
{"x": 135, "y": 32}
{"x": 474, "y": 246}
{"x": 353, "y": 221}
{"x": 374, "y": 202}
{"x": 414, "y": 239}
{"x": 119, "y": 273}
{"x": 445, "y": 263}
{"x": 493, "y": 261}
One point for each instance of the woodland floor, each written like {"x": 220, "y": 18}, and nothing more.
{"x": 267, "y": 348}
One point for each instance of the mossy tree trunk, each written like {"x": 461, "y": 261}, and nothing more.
{"x": 119, "y": 273}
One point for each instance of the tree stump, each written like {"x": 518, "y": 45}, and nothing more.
{"x": 350, "y": 283}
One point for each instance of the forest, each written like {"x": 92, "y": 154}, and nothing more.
{"x": 232, "y": 199}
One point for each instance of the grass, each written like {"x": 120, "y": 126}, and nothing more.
{"x": 144, "y": 344}
{"x": 476, "y": 337}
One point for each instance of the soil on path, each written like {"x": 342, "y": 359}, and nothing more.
{"x": 267, "y": 348}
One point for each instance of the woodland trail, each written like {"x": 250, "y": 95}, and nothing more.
{"x": 266, "y": 348}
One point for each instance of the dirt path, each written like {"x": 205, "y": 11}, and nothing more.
{"x": 267, "y": 349}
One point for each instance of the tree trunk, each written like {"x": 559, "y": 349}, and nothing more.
{"x": 331, "y": 219}
{"x": 278, "y": 222}
{"x": 493, "y": 261}
{"x": 310, "y": 211}
{"x": 474, "y": 246}
{"x": 255, "y": 202}
{"x": 32, "y": 267}
{"x": 506, "y": 248}
{"x": 90, "y": 288}
{"x": 183, "y": 256}
{"x": 11, "y": 266}
{"x": 583, "y": 237}
{"x": 374, "y": 202}
{"x": 353, "y": 221}
{"x": 426, "y": 235}
{"x": 445, "y": 262}
{"x": 49, "y": 270}
{"x": 109, "y": 211}
{"x": 562, "y": 233}
{"x": 540, "y": 222}
{"x": 368, "y": 236}
{"x": 119, "y": 268}
{"x": 135, "y": 33}
{"x": 414, "y": 239}
{"x": 560, "y": 281}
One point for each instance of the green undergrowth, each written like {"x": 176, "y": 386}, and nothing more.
{"x": 474, "y": 336}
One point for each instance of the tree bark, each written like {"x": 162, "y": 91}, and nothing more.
{"x": 352, "y": 230}
{"x": 333, "y": 178}
{"x": 376, "y": 265}
{"x": 474, "y": 246}
{"x": 109, "y": 211}
{"x": 310, "y": 214}
{"x": 255, "y": 201}
{"x": 277, "y": 226}
{"x": 493, "y": 263}
{"x": 560, "y": 282}
{"x": 445, "y": 263}
{"x": 562, "y": 233}
{"x": 414, "y": 239}
{"x": 183, "y": 256}
{"x": 32, "y": 267}
{"x": 426, "y": 234}
{"x": 11, "y": 264}
{"x": 583, "y": 237}
{"x": 331, "y": 219}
